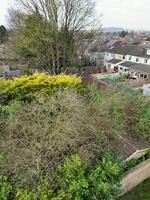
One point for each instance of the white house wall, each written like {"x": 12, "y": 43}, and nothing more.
{"x": 133, "y": 59}
{"x": 120, "y": 57}
{"x": 109, "y": 56}
{"x": 122, "y": 69}
{"x": 111, "y": 65}
{"x": 141, "y": 60}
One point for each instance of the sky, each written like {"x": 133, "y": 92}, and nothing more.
{"x": 4, "y": 5}
{"x": 131, "y": 14}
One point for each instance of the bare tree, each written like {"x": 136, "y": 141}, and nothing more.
{"x": 15, "y": 18}
{"x": 61, "y": 21}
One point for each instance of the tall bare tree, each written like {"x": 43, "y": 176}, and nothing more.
{"x": 56, "y": 22}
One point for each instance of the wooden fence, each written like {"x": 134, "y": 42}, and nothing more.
{"x": 136, "y": 176}
{"x": 138, "y": 154}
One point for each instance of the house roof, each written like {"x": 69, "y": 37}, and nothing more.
{"x": 118, "y": 43}
{"x": 136, "y": 66}
{"x": 128, "y": 64}
{"x": 97, "y": 46}
{"x": 134, "y": 50}
{"x": 114, "y": 61}
{"x": 111, "y": 43}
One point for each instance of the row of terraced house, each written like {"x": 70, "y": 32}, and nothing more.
{"x": 132, "y": 59}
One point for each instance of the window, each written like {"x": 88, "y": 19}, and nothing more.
{"x": 130, "y": 57}
{"x": 137, "y": 59}
{"x": 141, "y": 75}
{"x": 146, "y": 61}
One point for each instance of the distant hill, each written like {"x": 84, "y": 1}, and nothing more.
{"x": 113, "y": 29}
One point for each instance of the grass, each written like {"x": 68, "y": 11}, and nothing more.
{"x": 141, "y": 192}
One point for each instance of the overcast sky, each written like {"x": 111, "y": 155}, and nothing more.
{"x": 132, "y": 14}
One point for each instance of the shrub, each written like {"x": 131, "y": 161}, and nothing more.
{"x": 134, "y": 162}
{"x": 142, "y": 128}
{"x": 121, "y": 78}
{"x": 127, "y": 113}
{"x": 5, "y": 188}
{"x": 36, "y": 137}
{"x": 75, "y": 179}
{"x": 36, "y": 140}
{"x": 25, "y": 195}
{"x": 27, "y": 88}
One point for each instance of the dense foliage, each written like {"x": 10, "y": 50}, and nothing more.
{"x": 136, "y": 161}
{"x": 3, "y": 34}
{"x": 123, "y": 33}
{"x": 127, "y": 112}
{"x": 53, "y": 42}
{"x": 73, "y": 180}
{"x": 40, "y": 134}
{"x": 28, "y": 87}
{"x": 46, "y": 119}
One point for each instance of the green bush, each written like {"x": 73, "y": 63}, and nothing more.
{"x": 128, "y": 113}
{"x": 142, "y": 128}
{"x": 75, "y": 179}
{"x": 121, "y": 78}
{"x": 5, "y": 188}
{"x": 27, "y": 88}
{"x": 36, "y": 137}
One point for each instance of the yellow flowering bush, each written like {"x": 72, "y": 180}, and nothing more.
{"x": 28, "y": 87}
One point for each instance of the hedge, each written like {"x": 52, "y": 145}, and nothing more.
{"x": 26, "y": 88}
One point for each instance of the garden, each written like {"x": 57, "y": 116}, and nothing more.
{"x": 62, "y": 140}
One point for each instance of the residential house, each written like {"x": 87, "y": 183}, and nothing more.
{"x": 134, "y": 59}
{"x": 95, "y": 51}
{"x": 97, "y": 48}
{"x": 114, "y": 43}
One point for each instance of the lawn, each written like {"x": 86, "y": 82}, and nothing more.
{"x": 141, "y": 192}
